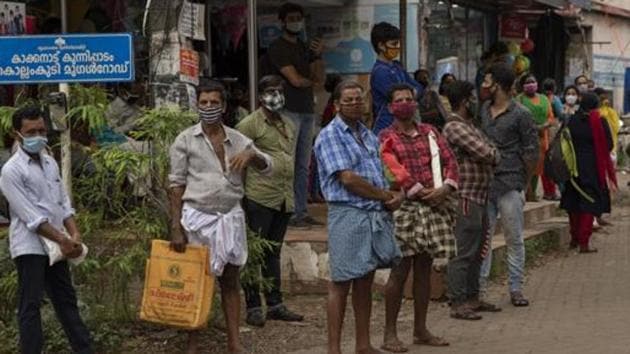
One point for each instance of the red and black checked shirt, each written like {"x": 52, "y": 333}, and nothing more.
{"x": 476, "y": 157}
{"x": 411, "y": 163}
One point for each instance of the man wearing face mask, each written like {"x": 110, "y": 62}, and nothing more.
{"x": 40, "y": 207}
{"x": 302, "y": 68}
{"x": 511, "y": 127}
{"x": 386, "y": 72}
{"x": 476, "y": 157}
{"x": 208, "y": 162}
{"x": 269, "y": 199}
{"x": 360, "y": 230}
{"x": 423, "y": 167}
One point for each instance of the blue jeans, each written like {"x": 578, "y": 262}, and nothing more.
{"x": 510, "y": 207}
{"x": 304, "y": 124}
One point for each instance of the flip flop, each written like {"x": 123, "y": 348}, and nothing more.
{"x": 518, "y": 300}
{"x": 468, "y": 315}
{"x": 432, "y": 341}
{"x": 395, "y": 347}
{"x": 486, "y": 307}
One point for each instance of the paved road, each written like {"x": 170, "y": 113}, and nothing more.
{"x": 579, "y": 304}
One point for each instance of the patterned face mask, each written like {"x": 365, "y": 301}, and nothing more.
{"x": 273, "y": 101}
{"x": 210, "y": 115}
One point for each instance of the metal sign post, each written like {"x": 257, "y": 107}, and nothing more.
{"x": 65, "y": 141}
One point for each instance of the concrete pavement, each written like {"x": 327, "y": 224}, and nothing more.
{"x": 579, "y": 304}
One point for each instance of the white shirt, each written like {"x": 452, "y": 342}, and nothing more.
{"x": 36, "y": 195}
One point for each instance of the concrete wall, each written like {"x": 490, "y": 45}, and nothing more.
{"x": 610, "y": 60}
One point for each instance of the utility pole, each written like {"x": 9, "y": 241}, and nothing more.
{"x": 252, "y": 44}
{"x": 66, "y": 164}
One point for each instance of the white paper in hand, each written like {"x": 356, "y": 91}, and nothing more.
{"x": 54, "y": 252}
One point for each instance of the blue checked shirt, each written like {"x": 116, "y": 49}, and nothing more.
{"x": 336, "y": 150}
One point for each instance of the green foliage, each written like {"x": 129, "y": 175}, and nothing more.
{"x": 257, "y": 247}
{"x": 87, "y": 105}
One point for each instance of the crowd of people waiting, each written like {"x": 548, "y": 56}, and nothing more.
{"x": 427, "y": 180}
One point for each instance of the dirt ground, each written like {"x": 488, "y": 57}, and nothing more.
{"x": 282, "y": 337}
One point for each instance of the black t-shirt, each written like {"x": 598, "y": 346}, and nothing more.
{"x": 284, "y": 53}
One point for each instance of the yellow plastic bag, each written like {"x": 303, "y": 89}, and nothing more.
{"x": 178, "y": 288}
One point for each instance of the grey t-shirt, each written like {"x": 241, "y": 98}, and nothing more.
{"x": 284, "y": 53}
{"x": 515, "y": 134}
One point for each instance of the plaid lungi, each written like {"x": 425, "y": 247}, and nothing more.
{"x": 420, "y": 229}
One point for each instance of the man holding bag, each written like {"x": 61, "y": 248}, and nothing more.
{"x": 40, "y": 208}
{"x": 208, "y": 161}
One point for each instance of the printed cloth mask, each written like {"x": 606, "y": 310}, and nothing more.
{"x": 530, "y": 88}
{"x": 351, "y": 110}
{"x": 34, "y": 144}
{"x": 273, "y": 101}
{"x": 570, "y": 99}
{"x": 404, "y": 110}
{"x": 295, "y": 27}
{"x": 211, "y": 115}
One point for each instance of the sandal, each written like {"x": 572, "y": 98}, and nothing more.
{"x": 518, "y": 300}
{"x": 486, "y": 307}
{"x": 466, "y": 314}
{"x": 587, "y": 250}
{"x": 395, "y": 347}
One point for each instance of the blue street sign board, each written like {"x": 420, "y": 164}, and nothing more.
{"x": 66, "y": 58}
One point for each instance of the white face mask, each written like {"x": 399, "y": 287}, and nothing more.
{"x": 295, "y": 27}
{"x": 583, "y": 88}
{"x": 570, "y": 99}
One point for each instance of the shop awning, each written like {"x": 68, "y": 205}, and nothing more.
{"x": 583, "y": 4}
{"x": 509, "y": 5}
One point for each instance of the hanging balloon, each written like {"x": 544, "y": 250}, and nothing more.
{"x": 509, "y": 59}
{"x": 527, "y": 46}
{"x": 514, "y": 48}
{"x": 521, "y": 64}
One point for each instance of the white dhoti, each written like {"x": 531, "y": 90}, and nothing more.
{"x": 224, "y": 234}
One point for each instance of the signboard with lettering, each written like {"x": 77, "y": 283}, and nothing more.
{"x": 513, "y": 26}
{"x": 66, "y": 58}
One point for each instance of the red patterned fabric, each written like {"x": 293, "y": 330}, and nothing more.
{"x": 408, "y": 158}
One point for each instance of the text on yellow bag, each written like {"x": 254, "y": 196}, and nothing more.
{"x": 178, "y": 287}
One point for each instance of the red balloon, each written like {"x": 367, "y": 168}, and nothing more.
{"x": 527, "y": 46}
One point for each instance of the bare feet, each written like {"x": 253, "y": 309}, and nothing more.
{"x": 426, "y": 338}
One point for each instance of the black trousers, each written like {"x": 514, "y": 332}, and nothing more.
{"x": 271, "y": 225}
{"x": 464, "y": 269}
{"x": 35, "y": 276}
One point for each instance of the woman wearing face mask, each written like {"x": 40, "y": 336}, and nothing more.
{"x": 581, "y": 82}
{"x": 592, "y": 142}
{"x": 541, "y": 110}
{"x": 571, "y": 102}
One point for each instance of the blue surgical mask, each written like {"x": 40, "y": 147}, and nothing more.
{"x": 34, "y": 144}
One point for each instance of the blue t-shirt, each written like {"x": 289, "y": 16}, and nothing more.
{"x": 383, "y": 76}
